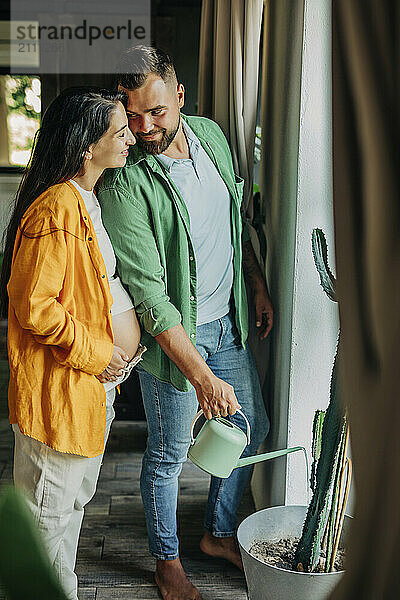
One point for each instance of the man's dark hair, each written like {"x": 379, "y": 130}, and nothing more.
{"x": 138, "y": 62}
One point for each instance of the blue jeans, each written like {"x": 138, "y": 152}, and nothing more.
{"x": 169, "y": 415}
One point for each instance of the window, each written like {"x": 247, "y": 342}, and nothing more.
{"x": 20, "y": 109}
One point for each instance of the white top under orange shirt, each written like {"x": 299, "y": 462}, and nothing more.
{"x": 121, "y": 298}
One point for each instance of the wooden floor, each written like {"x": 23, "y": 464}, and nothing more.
{"x": 113, "y": 560}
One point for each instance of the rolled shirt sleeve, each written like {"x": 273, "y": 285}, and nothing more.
{"x": 139, "y": 265}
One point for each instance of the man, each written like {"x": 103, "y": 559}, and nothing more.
{"x": 173, "y": 215}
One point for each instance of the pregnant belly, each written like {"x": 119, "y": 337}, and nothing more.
{"x": 126, "y": 331}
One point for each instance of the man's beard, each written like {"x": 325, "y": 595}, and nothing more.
{"x": 157, "y": 146}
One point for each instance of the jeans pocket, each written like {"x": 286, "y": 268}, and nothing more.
{"x": 234, "y": 332}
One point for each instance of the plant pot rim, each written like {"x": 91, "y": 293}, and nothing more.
{"x": 272, "y": 508}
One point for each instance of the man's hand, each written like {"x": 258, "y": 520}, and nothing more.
{"x": 119, "y": 361}
{"x": 216, "y": 397}
{"x": 264, "y": 312}
{"x": 261, "y": 299}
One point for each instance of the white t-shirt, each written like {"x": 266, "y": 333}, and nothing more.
{"x": 208, "y": 203}
{"x": 121, "y": 299}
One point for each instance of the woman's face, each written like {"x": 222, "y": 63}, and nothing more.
{"x": 112, "y": 148}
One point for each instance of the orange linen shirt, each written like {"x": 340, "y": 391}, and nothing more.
{"x": 59, "y": 325}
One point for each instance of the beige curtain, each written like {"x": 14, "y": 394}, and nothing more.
{"x": 228, "y": 77}
{"x": 367, "y": 219}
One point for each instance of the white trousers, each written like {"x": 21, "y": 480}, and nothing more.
{"x": 57, "y": 486}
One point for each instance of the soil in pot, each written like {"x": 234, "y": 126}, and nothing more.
{"x": 280, "y": 553}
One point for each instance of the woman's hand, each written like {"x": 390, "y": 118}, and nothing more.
{"x": 118, "y": 362}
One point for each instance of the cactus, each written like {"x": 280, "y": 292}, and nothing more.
{"x": 320, "y": 253}
{"x": 329, "y": 453}
{"x": 316, "y": 445}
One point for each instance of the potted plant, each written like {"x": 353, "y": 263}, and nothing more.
{"x": 305, "y": 572}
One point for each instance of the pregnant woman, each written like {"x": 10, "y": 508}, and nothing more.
{"x": 72, "y": 328}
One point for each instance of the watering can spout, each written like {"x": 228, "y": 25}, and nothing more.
{"x": 250, "y": 460}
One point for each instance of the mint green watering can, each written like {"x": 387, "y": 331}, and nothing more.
{"x": 219, "y": 444}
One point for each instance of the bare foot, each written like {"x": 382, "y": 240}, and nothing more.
{"x": 173, "y": 583}
{"x": 222, "y": 548}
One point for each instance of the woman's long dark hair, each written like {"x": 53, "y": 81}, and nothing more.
{"x": 77, "y": 118}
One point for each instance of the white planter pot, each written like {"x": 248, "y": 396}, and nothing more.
{"x": 266, "y": 582}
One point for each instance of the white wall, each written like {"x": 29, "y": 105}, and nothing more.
{"x": 315, "y": 317}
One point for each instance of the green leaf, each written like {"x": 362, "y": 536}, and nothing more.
{"x": 25, "y": 570}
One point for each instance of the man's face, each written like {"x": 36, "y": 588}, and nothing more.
{"x": 153, "y": 112}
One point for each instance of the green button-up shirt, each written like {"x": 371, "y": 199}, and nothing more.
{"x": 148, "y": 223}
